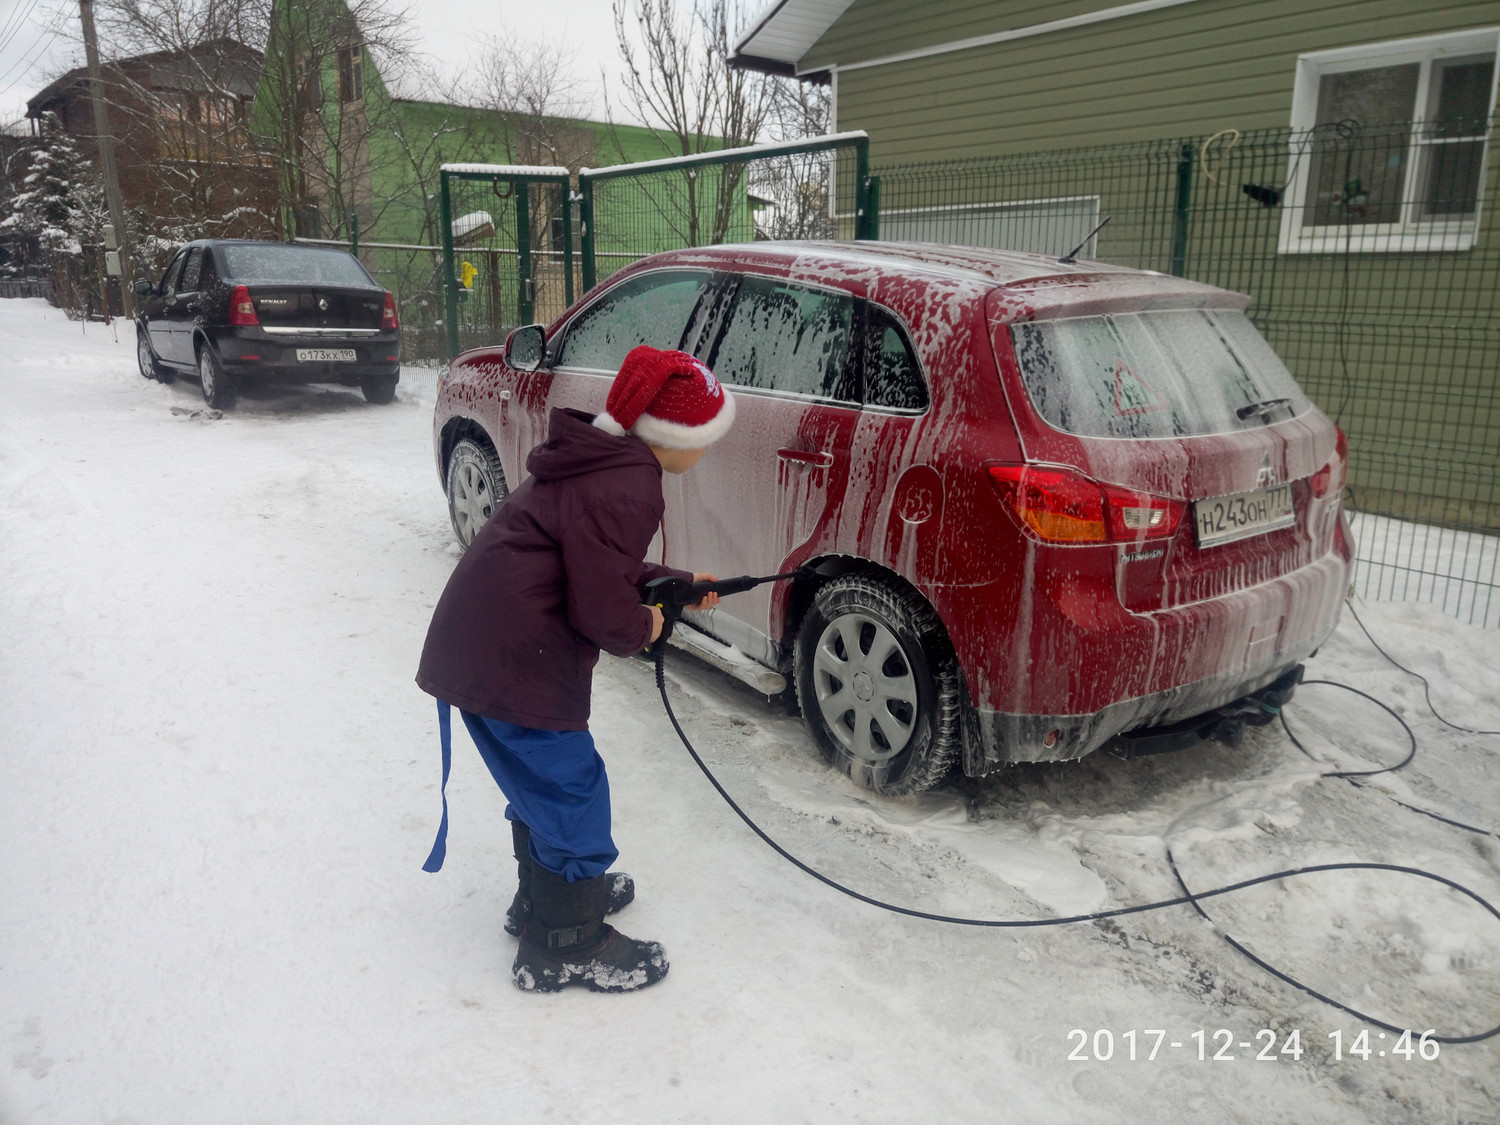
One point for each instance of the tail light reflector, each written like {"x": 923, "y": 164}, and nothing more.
{"x": 388, "y": 321}
{"x": 1329, "y": 480}
{"x": 1062, "y": 506}
{"x": 242, "y": 308}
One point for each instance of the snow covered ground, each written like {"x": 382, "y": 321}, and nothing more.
{"x": 218, "y": 784}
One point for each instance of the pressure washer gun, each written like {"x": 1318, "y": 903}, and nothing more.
{"x": 673, "y": 595}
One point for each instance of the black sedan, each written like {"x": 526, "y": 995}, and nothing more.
{"x": 233, "y": 310}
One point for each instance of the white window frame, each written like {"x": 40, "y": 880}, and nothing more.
{"x": 1409, "y": 233}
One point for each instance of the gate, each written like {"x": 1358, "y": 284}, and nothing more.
{"x": 810, "y": 188}
{"x": 508, "y": 249}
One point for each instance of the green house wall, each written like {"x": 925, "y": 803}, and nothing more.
{"x": 1190, "y": 69}
{"x": 1406, "y": 343}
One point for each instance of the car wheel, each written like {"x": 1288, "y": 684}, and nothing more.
{"x": 476, "y": 485}
{"x": 218, "y": 389}
{"x": 878, "y": 684}
{"x": 379, "y": 389}
{"x": 146, "y": 358}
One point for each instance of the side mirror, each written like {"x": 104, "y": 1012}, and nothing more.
{"x": 526, "y": 347}
{"x": 144, "y": 288}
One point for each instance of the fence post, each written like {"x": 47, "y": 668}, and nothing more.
{"x": 863, "y": 191}
{"x": 566, "y": 191}
{"x": 450, "y": 285}
{"x": 354, "y": 233}
{"x": 1183, "y": 205}
{"x": 523, "y": 253}
{"x": 586, "y": 217}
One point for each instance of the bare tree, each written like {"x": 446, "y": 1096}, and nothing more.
{"x": 677, "y": 83}
{"x": 179, "y": 88}
{"x": 311, "y": 110}
{"x": 537, "y": 102}
{"x": 797, "y": 187}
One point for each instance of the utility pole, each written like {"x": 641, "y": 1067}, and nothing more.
{"x": 107, "y": 154}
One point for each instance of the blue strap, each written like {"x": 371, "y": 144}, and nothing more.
{"x": 445, "y": 733}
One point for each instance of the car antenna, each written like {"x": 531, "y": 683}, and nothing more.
{"x": 1071, "y": 257}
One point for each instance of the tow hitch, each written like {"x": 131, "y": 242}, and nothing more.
{"x": 1225, "y": 725}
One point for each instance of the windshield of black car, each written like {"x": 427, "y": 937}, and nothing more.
{"x": 252, "y": 262}
{"x": 1154, "y": 374}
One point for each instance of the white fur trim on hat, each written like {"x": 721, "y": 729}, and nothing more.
{"x": 605, "y": 421}
{"x": 677, "y": 435}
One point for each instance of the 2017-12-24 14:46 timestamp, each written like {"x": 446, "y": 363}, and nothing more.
{"x": 1267, "y": 1045}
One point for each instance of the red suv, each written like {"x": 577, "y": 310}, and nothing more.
{"x": 1046, "y": 508}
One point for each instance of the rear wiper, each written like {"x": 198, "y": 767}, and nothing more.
{"x": 1261, "y": 408}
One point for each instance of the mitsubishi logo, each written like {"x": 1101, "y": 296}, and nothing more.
{"x": 1267, "y": 475}
{"x": 323, "y": 307}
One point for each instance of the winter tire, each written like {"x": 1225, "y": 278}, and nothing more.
{"x": 146, "y": 359}
{"x": 218, "y": 389}
{"x": 379, "y": 389}
{"x": 476, "y": 485}
{"x": 878, "y": 684}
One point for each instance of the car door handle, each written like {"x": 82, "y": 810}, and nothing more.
{"x": 803, "y": 457}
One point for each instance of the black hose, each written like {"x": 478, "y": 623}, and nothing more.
{"x": 1426, "y": 687}
{"x": 659, "y": 659}
{"x": 1353, "y": 776}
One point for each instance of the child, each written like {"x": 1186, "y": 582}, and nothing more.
{"x": 551, "y": 579}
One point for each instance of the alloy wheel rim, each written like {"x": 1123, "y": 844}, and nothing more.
{"x": 206, "y": 374}
{"x": 143, "y": 355}
{"x": 865, "y": 687}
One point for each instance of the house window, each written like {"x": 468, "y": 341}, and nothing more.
{"x": 351, "y": 74}
{"x": 1389, "y": 144}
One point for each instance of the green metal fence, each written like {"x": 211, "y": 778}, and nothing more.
{"x": 1370, "y": 270}
{"x": 819, "y": 187}
{"x": 508, "y": 249}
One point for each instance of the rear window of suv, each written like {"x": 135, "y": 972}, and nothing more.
{"x": 1154, "y": 374}
{"x": 279, "y": 262}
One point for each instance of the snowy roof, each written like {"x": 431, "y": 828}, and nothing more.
{"x": 507, "y": 169}
{"x": 165, "y": 70}
{"x": 783, "y": 33}
{"x": 472, "y": 223}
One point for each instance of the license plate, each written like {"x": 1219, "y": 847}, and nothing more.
{"x": 1223, "y": 519}
{"x": 325, "y": 355}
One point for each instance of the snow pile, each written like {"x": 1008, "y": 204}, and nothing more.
{"x": 218, "y": 784}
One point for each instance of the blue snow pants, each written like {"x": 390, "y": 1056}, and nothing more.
{"x": 556, "y": 785}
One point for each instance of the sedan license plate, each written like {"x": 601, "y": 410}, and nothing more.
{"x": 1223, "y": 519}
{"x": 325, "y": 355}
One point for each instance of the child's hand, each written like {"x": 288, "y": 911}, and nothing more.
{"x": 656, "y": 621}
{"x": 709, "y": 600}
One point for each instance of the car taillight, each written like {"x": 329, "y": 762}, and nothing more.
{"x": 1329, "y": 480}
{"x": 242, "y": 308}
{"x": 1062, "y": 506}
{"x": 388, "y": 320}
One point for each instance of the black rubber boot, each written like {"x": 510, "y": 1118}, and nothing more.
{"x": 566, "y": 941}
{"x": 621, "y": 887}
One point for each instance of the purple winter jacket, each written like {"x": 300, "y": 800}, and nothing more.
{"x": 551, "y": 579}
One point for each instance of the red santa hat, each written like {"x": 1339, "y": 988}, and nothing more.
{"x": 667, "y": 399}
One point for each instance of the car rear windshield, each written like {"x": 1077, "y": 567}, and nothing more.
{"x": 279, "y": 262}
{"x": 1154, "y": 374}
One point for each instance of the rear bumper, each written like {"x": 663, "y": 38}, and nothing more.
{"x": 251, "y": 354}
{"x": 1121, "y": 727}
{"x": 1204, "y": 657}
